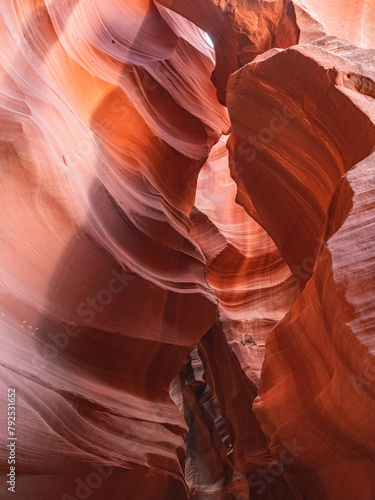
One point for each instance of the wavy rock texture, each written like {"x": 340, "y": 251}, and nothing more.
{"x": 255, "y": 289}
{"x": 325, "y": 348}
{"x": 107, "y": 279}
{"x": 289, "y": 158}
{"x": 240, "y": 30}
{"x": 187, "y": 249}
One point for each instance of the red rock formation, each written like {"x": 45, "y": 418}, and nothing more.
{"x": 354, "y": 20}
{"x": 319, "y": 358}
{"x": 186, "y": 288}
{"x": 106, "y": 279}
{"x": 255, "y": 289}
{"x": 288, "y": 158}
{"x": 239, "y": 30}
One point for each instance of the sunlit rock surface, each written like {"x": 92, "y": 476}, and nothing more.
{"x": 187, "y": 249}
{"x": 354, "y": 20}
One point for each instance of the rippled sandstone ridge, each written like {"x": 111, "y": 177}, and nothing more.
{"x": 187, "y": 242}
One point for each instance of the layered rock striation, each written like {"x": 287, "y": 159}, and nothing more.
{"x": 187, "y": 250}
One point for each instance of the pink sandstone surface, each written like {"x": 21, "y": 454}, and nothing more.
{"x": 187, "y": 242}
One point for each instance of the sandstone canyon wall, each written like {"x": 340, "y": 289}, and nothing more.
{"x": 187, "y": 250}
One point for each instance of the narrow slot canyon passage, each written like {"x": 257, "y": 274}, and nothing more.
{"x": 187, "y": 250}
